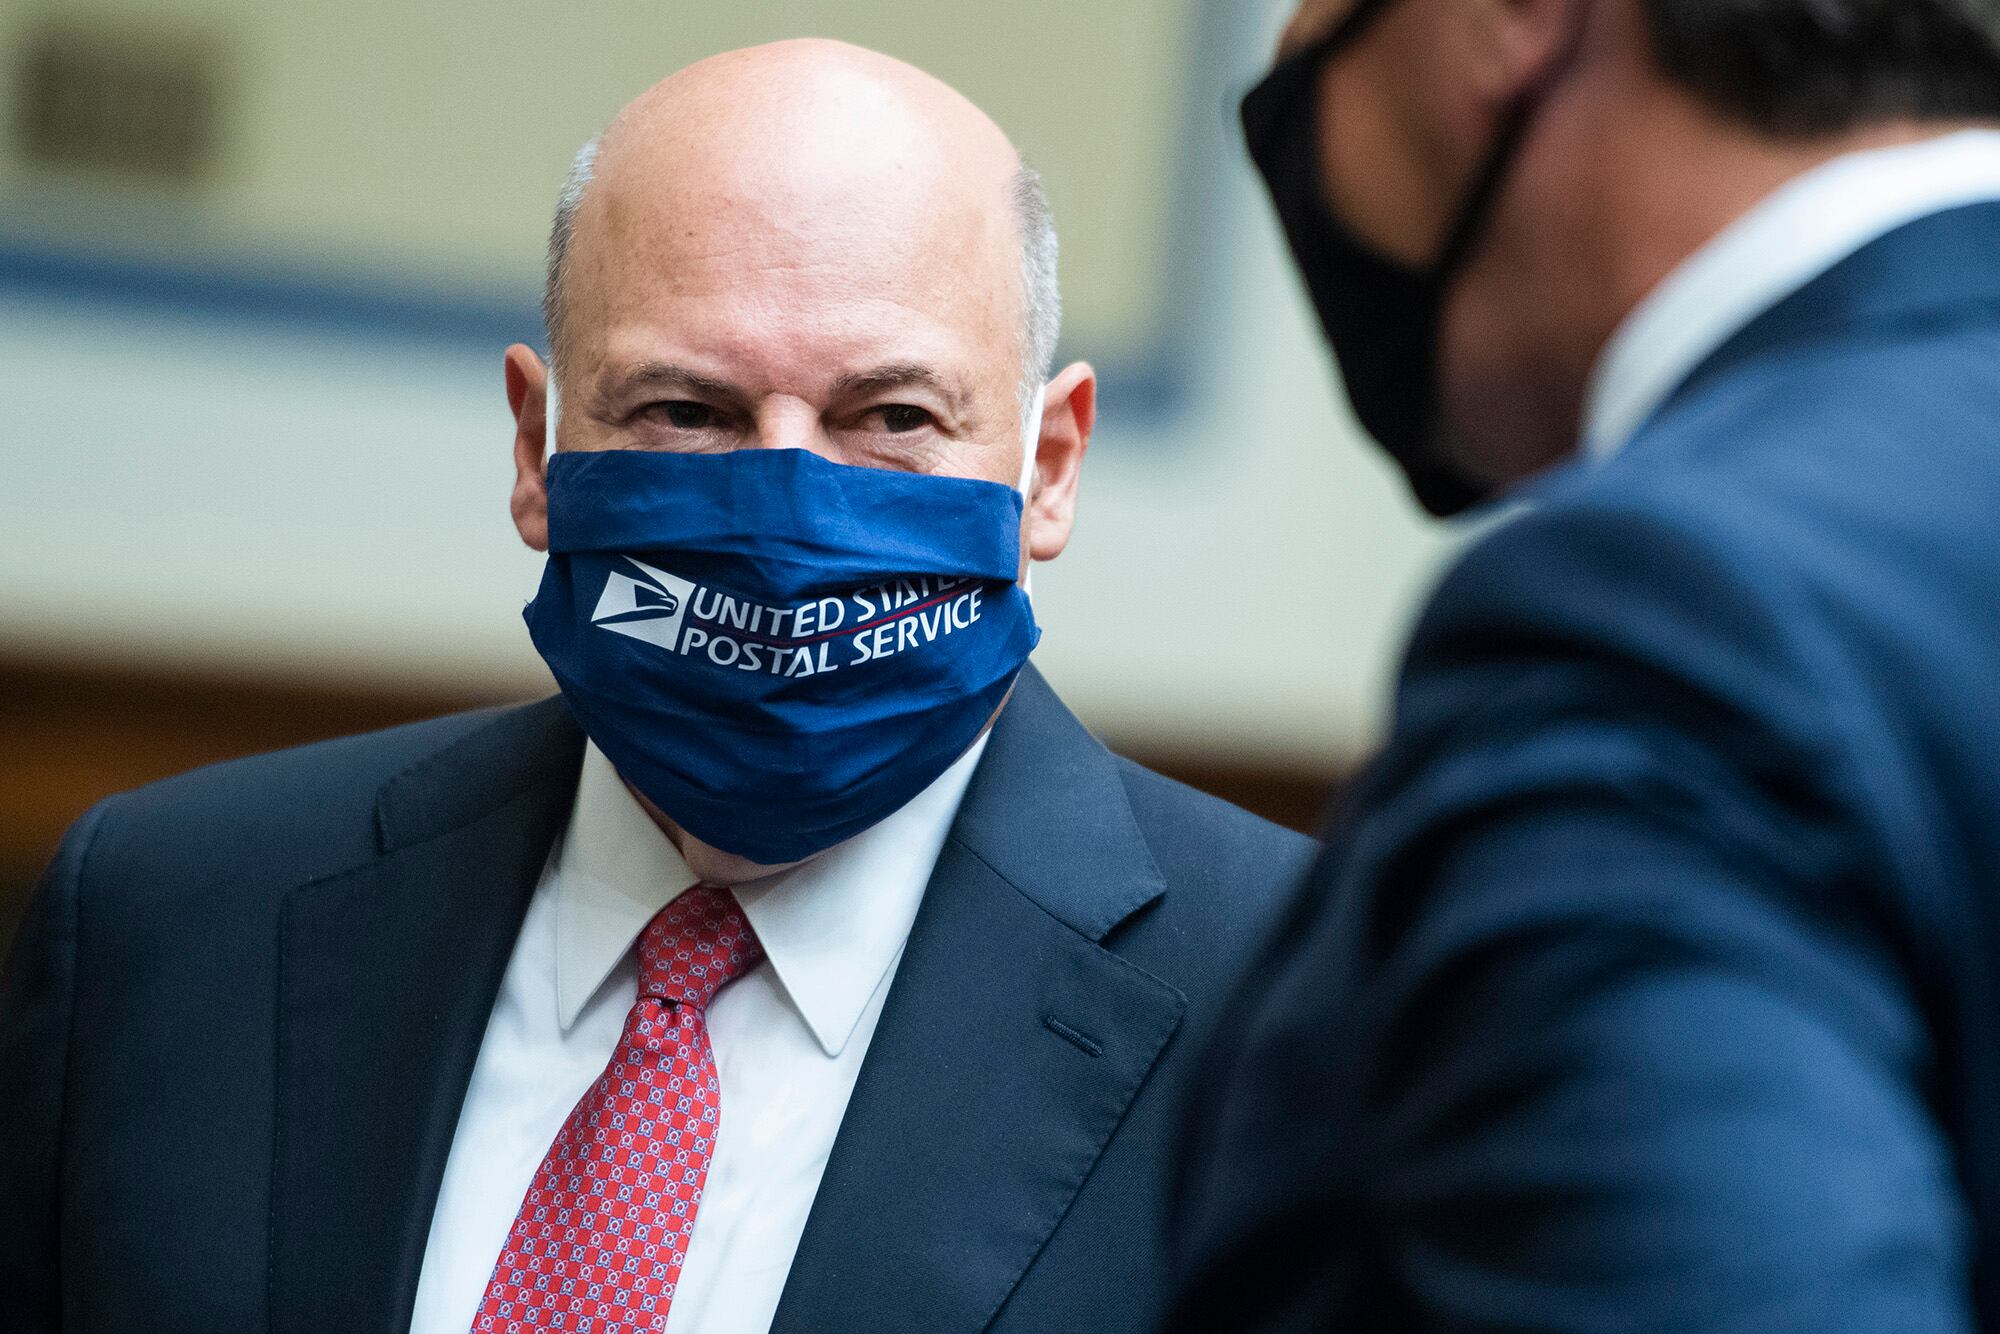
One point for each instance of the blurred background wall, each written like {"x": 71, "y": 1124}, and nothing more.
{"x": 258, "y": 263}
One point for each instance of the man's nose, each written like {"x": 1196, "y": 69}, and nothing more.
{"x": 791, "y": 424}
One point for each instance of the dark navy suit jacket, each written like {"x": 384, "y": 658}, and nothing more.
{"x": 239, "y": 1019}
{"x": 1654, "y": 980}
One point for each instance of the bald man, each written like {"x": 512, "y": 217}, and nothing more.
{"x": 803, "y": 964}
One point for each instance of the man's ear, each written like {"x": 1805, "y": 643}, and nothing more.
{"x": 528, "y": 399}
{"x": 1522, "y": 41}
{"x": 1068, "y": 416}
{"x": 1312, "y": 20}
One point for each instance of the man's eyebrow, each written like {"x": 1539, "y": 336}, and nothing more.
{"x": 903, "y": 375}
{"x": 659, "y": 377}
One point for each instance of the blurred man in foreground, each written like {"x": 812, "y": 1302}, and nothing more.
{"x": 1654, "y": 982}
{"x": 794, "y": 997}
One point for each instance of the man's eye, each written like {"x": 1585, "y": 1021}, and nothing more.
{"x": 898, "y": 418}
{"x": 684, "y": 414}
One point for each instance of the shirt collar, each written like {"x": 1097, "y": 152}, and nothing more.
{"x": 1795, "y": 235}
{"x": 832, "y": 926}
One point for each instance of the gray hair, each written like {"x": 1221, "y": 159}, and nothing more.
{"x": 1041, "y": 292}
{"x": 1034, "y": 222}
{"x": 570, "y": 198}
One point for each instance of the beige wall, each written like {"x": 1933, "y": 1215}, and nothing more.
{"x": 191, "y": 490}
{"x": 428, "y": 136}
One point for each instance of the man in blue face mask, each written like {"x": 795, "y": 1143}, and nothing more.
{"x": 1652, "y": 980}
{"x": 804, "y": 965}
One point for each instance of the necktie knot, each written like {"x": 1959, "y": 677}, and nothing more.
{"x": 694, "y": 946}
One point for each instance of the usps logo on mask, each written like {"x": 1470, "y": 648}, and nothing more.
{"x": 652, "y": 609}
{"x": 816, "y": 636}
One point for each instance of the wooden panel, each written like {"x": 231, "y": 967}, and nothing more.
{"x": 72, "y": 733}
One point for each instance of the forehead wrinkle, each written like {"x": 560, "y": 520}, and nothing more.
{"x": 858, "y": 212}
{"x": 839, "y": 286}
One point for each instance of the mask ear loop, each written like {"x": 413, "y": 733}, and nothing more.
{"x": 1031, "y": 439}
{"x": 552, "y": 412}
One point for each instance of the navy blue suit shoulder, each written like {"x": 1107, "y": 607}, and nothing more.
{"x": 1652, "y": 983}
{"x": 1230, "y": 877}
{"x": 242, "y": 1012}
{"x": 1236, "y": 867}
{"x": 139, "y": 1015}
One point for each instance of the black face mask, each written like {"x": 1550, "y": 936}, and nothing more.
{"x": 1382, "y": 317}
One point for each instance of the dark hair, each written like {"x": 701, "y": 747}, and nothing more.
{"x": 1803, "y": 67}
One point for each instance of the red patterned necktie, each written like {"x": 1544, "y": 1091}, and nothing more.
{"x": 600, "y": 1238}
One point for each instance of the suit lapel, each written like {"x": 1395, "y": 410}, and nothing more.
{"x": 387, "y": 974}
{"x": 1009, "y": 1048}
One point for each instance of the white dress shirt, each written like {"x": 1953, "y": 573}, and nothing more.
{"x": 1793, "y": 236}
{"x": 789, "y": 1037}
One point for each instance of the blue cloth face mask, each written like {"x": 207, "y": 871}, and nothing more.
{"x": 776, "y": 650}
